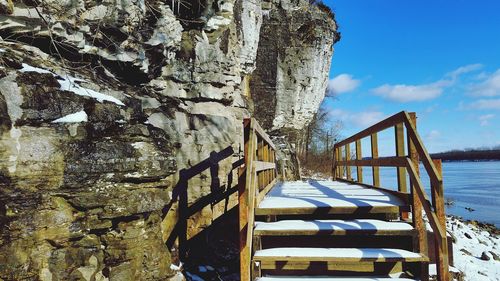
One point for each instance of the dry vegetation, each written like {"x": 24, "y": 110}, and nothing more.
{"x": 316, "y": 151}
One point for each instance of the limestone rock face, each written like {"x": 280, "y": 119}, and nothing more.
{"x": 83, "y": 178}
{"x": 121, "y": 131}
{"x": 293, "y": 62}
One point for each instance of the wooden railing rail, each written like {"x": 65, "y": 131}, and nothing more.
{"x": 256, "y": 178}
{"x": 405, "y": 161}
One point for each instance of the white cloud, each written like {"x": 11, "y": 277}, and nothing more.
{"x": 433, "y": 135}
{"x": 484, "y": 119}
{"x": 368, "y": 118}
{"x": 360, "y": 119}
{"x": 463, "y": 70}
{"x": 342, "y": 83}
{"x": 486, "y": 104}
{"x": 489, "y": 87}
{"x": 411, "y": 93}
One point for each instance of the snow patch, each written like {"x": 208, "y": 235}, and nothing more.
{"x": 176, "y": 267}
{"x": 331, "y": 225}
{"x": 70, "y": 84}
{"x": 354, "y": 253}
{"x": 76, "y": 117}
{"x": 468, "y": 247}
{"x": 314, "y": 194}
{"x": 29, "y": 68}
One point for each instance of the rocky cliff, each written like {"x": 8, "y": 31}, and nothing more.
{"x": 294, "y": 54}
{"x": 121, "y": 129}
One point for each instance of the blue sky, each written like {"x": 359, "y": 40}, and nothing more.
{"x": 438, "y": 58}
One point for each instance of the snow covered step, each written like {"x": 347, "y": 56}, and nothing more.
{"x": 337, "y": 255}
{"x": 332, "y": 227}
{"x": 320, "y": 278}
{"x": 326, "y": 197}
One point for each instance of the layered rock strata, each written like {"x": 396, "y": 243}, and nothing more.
{"x": 120, "y": 131}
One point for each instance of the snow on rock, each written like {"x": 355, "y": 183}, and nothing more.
{"x": 70, "y": 84}
{"x": 76, "y": 117}
{"x": 467, "y": 251}
{"x": 29, "y": 68}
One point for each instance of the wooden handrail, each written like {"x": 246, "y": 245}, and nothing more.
{"x": 256, "y": 178}
{"x": 385, "y": 124}
{"x": 434, "y": 208}
{"x": 378, "y": 162}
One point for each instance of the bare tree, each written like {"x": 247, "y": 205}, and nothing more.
{"x": 320, "y": 137}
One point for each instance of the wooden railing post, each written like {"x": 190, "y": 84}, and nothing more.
{"x": 343, "y": 169}
{"x": 347, "y": 158}
{"x": 400, "y": 151}
{"x": 442, "y": 260}
{"x": 417, "y": 216}
{"x": 375, "y": 169}
{"x": 359, "y": 156}
{"x": 246, "y": 191}
{"x": 334, "y": 163}
{"x": 405, "y": 163}
{"x": 339, "y": 167}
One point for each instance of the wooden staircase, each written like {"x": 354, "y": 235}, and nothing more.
{"x": 305, "y": 242}
{"x": 333, "y": 230}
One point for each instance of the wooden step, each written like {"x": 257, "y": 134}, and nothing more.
{"x": 321, "y": 278}
{"x": 348, "y": 255}
{"x": 332, "y": 227}
{"x": 322, "y": 197}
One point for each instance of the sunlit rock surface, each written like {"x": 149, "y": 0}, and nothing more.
{"x": 120, "y": 132}
{"x": 293, "y": 60}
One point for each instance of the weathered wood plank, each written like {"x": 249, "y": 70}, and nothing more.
{"x": 261, "y": 165}
{"x": 359, "y": 156}
{"x": 347, "y": 158}
{"x": 405, "y": 197}
{"x": 378, "y": 162}
{"x": 433, "y": 219}
{"x": 326, "y": 265}
{"x": 333, "y": 228}
{"x": 264, "y": 191}
{"x": 438, "y": 202}
{"x": 387, "y": 123}
{"x": 400, "y": 152}
{"x": 337, "y": 255}
{"x": 262, "y": 133}
{"x": 375, "y": 169}
{"x": 245, "y": 179}
{"x": 417, "y": 215}
{"x": 422, "y": 151}
{"x": 331, "y": 210}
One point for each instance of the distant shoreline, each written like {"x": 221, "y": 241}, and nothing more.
{"x": 482, "y": 225}
{"x": 468, "y": 160}
{"x": 468, "y": 155}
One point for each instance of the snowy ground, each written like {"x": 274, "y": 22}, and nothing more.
{"x": 475, "y": 250}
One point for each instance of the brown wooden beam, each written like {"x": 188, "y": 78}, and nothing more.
{"x": 387, "y": 123}
{"x": 375, "y": 169}
{"x": 379, "y": 162}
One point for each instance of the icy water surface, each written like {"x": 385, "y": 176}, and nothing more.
{"x": 473, "y": 185}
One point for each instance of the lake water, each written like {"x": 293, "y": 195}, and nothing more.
{"x": 473, "y": 185}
